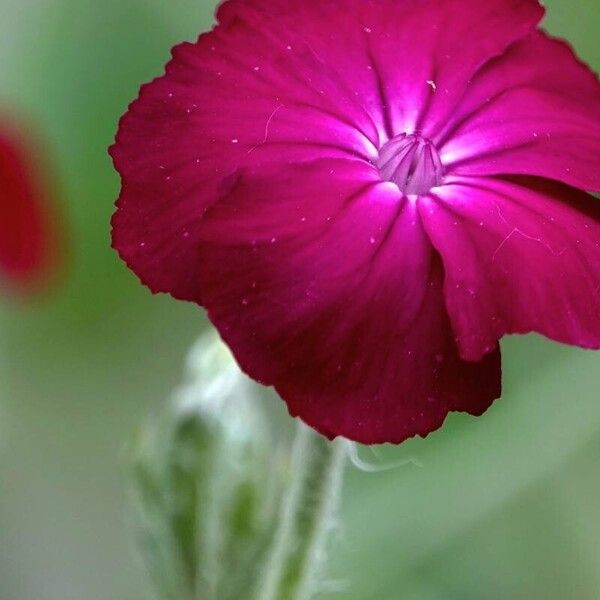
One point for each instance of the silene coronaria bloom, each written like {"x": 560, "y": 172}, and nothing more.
{"x": 366, "y": 195}
{"x": 29, "y": 241}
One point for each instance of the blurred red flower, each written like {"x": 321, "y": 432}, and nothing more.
{"x": 29, "y": 240}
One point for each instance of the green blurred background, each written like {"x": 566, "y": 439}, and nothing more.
{"x": 502, "y": 507}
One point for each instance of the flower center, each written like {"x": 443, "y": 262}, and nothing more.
{"x": 412, "y": 163}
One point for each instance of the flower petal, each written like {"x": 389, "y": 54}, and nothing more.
{"x": 244, "y": 94}
{"x": 533, "y": 111}
{"x": 423, "y": 54}
{"x": 337, "y": 302}
{"x": 520, "y": 255}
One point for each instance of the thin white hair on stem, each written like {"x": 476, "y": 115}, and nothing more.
{"x": 368, "y": 467}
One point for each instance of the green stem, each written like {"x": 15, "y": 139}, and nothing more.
{"x": 296, "y": 559}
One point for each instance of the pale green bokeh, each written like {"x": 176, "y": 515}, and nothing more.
{"x": 503, "y": 507}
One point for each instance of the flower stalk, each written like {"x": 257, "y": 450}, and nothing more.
{"x": 308, "y": 514}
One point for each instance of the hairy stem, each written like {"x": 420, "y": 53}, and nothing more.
{"x": 295, "y": 564}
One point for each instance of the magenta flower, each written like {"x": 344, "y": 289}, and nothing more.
{"x": 366, "y": 195}
{"x": 29, "y": 241}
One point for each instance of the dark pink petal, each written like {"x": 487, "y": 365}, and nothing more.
{"x": 28, "y": 233}
{"x": 422, "y": 53}
{"x": 324, "y": 284}
{"x": 533, "y": 111}
{"x": 242, "y": 95}
{"x": 519, "y": 255}
{"x": 281, "y": 81}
